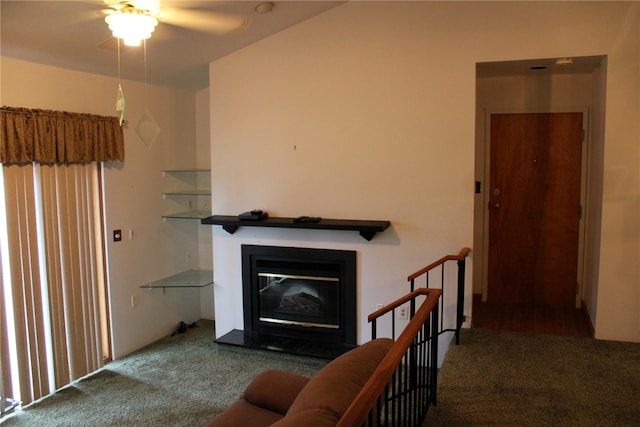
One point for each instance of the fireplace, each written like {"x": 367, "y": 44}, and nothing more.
{"x": 298, "y": 298}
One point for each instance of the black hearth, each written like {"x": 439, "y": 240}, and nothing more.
{"x": 297, "y": 300}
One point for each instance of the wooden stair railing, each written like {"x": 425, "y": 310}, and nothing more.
{"x": 404, "y": 385}
{"x": 461, "y": 261}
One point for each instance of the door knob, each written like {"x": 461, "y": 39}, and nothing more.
{"x": 494, "y": 205}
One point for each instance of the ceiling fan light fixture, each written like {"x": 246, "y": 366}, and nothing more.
{"x": 265, "y": 7}
{"x": 132, "y": 26}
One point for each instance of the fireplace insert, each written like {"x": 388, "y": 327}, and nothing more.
{"x": 299, "y": 293}
{"x": 308, "y": 301}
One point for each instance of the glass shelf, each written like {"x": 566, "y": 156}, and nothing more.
{"x": 188, "y": 215}
{"x": 186, "y": 170}
{"x": 186, "y": 279}
{"x": 188, "y": 193}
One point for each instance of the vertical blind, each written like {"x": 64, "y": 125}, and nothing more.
{"x": 5, "y": 377}
{"x": 53, "y": 317}
{"x": 25, "y": 290}
{"x": 75, "y": 276}
{"x": 56, "y": 276}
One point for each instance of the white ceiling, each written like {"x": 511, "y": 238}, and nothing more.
{"x": 73, "y": 34}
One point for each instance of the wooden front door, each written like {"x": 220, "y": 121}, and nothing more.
{"x": 534, "y": 208}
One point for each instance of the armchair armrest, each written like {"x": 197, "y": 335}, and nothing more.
{"x": 274, "y": 390}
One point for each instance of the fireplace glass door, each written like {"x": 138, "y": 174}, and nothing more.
{"x": 308, "y": 301}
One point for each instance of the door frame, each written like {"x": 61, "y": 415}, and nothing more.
{"x": 583, "y": 190}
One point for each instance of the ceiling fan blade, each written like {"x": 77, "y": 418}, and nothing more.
{"x": 150, "y": 5}
{"x": 208, "y": 22}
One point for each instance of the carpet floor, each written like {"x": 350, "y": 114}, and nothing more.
{"x": 491, "y": 379}
{"x": 515, "y": 379}
{"x": 182, "y": 380}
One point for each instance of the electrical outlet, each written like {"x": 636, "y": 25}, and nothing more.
{"x": 403, "y": 313}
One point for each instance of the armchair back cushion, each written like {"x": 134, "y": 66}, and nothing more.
{"x": 331, "y": 391}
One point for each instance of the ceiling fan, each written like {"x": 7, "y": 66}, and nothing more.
{"x": 135, "y": 20}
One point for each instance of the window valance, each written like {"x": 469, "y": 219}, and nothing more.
{"x": 58, "y": 137}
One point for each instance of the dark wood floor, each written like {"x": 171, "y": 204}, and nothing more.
{"x": 530, "y": 318}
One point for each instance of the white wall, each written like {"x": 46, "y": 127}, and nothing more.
{"x": 593, "y": 224}
{"x": 619, "y": 270}
{"x": 333, "y": 119}
{"x": 133, "y": 192}
{"x": 367, "y": 111}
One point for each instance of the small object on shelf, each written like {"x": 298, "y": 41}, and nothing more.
{"x": 254, "y": 215}
{"x": 305, "y": 218}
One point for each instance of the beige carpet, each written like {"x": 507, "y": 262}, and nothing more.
{"x": 184, "y": 380}
{"x": 490, "y": 379}
{"x": 513, "y": 379}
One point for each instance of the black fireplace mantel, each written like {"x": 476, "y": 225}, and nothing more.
{"x": 367, "y": 229}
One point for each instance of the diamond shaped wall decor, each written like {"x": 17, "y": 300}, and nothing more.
{"x": 147, "y": 129}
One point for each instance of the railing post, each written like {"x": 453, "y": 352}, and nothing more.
{"x": 460, "y": 300}
{"x": 434, "y": 353}
{"x": 412, "y": 308}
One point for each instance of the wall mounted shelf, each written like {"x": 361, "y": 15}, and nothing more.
{"x": 188, "y": 215}
{"x": 186, "y": 279}
{"x": 367, "y": 229}
{"x": 189, "y": 192}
